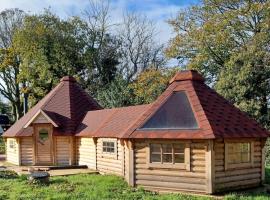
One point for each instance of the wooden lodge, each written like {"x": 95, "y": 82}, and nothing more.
{"x": 189, "y": 139}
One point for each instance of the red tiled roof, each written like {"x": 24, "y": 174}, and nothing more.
{"x": 110, "y": 122}
{"x": 75, "y": 112}
{"x": 217, "y": 118}
{"x": 66, "y": 105}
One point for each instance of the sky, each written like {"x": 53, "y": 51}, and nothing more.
{"x": 157, "y": 10}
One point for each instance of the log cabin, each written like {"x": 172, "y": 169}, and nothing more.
{"x": 189, "y": 139}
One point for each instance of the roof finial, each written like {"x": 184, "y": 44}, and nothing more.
{"x": 68, "y": 78}
{"x": 186, "y": 75}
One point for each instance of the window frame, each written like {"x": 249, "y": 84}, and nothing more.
{"x": 162, "y": 165}
{"x": 110, "y": 154}
{"x": 228, "y": 166}
{"x": 11, "y": 144}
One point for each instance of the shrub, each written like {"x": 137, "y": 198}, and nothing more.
{"x": 7, "y": 174}
{"x": 2, "y": 145}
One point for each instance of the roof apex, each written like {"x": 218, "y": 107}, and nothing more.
{"x": 185, "y": 75}
{"x": 68, "y": 78}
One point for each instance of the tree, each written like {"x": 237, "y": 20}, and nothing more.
{"x": 102, "y": 47}
{"x": 10, "y": 86}
{"x": 228, "y": 41}
{"x": 115, "y": 94}
{"x": 139, "y": 50}
{"x": 49, "y": 48}
{"x": 150, "y": 84}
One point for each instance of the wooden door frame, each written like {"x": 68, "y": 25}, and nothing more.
{"x": 35, "y": 143}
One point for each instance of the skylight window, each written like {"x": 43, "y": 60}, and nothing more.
{"x": 175, "y": 113}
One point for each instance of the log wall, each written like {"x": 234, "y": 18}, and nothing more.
{"x": 86, "y": 152}
{"x": 62, "y": 150}
{"x": 237, "y": 178}
{"x": 27, "y": 153}
{"x": 171, "y": 180}
{"x": 12, "y": 154}
{"x": 110, "y": 164}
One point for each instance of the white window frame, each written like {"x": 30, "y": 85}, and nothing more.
{"x": 109, "y": 154}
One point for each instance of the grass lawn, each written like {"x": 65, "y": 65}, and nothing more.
{"x": 2, "y": 145}
{"x": 95, "y": 187}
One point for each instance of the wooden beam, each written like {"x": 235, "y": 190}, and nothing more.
{"x": 18, "y": 144}
{"x": 263, "y": 161}
{"x": 210, "y": 167}
{"x": 131, "y": 163}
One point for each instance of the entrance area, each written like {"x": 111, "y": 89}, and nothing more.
{"x": 43, "y": 144}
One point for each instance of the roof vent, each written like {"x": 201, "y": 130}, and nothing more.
{"x": 68, "y": 78}
{"x": 186, "y": 75}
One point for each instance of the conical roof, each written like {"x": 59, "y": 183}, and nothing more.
{"x": 216, "y": 117}
{"x": 65, "y": 105}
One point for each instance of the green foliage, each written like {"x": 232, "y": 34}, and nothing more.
{"x": 150, "y": 84}
{"x": 267, "y": 174}
{"x": 8, "y": 175}
{"x": 49, "y": 49}
{"x": 115, "y": 94}
{"x": 228, "y": 41}
{"x": 2, "y": 146}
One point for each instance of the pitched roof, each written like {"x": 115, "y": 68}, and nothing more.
{"x": 65, "y": 105}
{"x": 217, "y": 117}
{"x": 110, "y": 122}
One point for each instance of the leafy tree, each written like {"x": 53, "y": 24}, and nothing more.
{"x": 229, "y": 41}
{"x": 150, "y": 84}
{"x": 10, "y": 86}
{"x": 115, "y": 94}
{"x": 49, "y": 49}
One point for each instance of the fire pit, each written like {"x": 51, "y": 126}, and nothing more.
{"x": 39, "y": 177}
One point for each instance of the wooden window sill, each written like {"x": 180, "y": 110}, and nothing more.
{"x": 166, "y": 166}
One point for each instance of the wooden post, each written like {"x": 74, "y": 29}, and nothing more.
{"x": 95, "y": 143}
{"x": 71, "y": 151}
{"x": 131, "y": 164}
{"x": 18, "y": 144}
{"x": 210, "y": 167}
{"x": 263, "y": 160}
{"x": 34, "y": 146}
{"x": 123, "y": 156}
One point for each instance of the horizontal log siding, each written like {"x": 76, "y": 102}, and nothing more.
{"x": 171, "y": 180}
{"x": 27, "y": 152}
{"x": 86, "y": 152}
{"x": 62, "y": 150}
{"x": 232, "y": 179}
{"x": 12, "y": 154}
{"x": 110, "y": 164}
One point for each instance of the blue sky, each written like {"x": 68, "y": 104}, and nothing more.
{"x": 157, "y": 10}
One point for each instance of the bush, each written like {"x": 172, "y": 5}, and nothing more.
{"x": 2, "y": 146}
{"x": 6, "y": 174}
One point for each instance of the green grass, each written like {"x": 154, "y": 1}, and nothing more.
{"x": 98, "y": 187}
{"x": 2, "y": 145}
{"x": 81, "y": 187}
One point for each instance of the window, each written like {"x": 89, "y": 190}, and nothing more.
{"x": 43, "y": 135}
{"x": 175, "y": 113}
{"x": 238, "y": 154}
{"x": 11, "y": 144}
{"x": 167, "y": 155}
{"x": 108, "y": 147}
